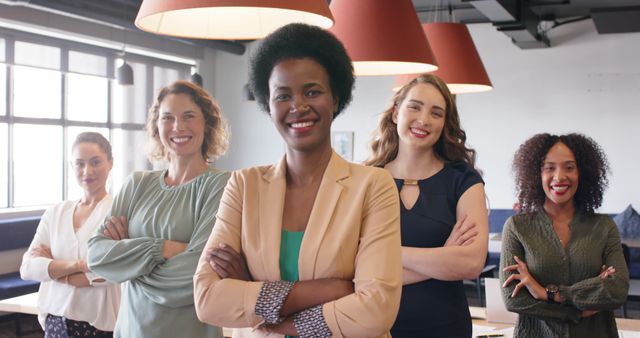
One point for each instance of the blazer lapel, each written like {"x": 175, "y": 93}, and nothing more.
{"x": 321, "y": 215}
{"x": 272, "y": 191}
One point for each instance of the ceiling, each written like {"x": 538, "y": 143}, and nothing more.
{"x": 525, "y": 21}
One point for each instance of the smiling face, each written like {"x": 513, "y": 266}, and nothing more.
{"x": 301, "y": 104}
{"x": 181, "y": 126}
{"x": 559, "y": 175}
{"x": 91, "y": 167}
{"x": 420, "y": 117}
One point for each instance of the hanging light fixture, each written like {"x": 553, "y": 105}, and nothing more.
{"x": 460, "y": 65}
{"x": 196, "y": 78}
{"x": 228, "y": 19}
{"x": 124, "y": 74}
{"x": 382, "y": 37}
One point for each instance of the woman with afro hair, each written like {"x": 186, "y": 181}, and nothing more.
{"x": 309, "y": 246}
{"x": 562, "y": 266}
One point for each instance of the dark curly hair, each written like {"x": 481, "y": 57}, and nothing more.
{"x": 298, "y": 41}
{"x": 450, "y": 147}
{"x": 592, "y": 171}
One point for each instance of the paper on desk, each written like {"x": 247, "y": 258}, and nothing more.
{"x": 481, "y": 329}
{"x": 628, "y": 334}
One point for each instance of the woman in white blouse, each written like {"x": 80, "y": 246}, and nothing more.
{"x": 72, "y": 301}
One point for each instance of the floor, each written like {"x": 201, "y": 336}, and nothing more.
{"x": 30, "y": 323}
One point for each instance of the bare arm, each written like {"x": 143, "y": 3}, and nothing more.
{"x": 455, "y": 262}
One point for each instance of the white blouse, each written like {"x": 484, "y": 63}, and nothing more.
{"x": 98, "y": 304}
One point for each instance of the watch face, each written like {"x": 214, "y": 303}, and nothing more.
{"x": 552, "y": 288}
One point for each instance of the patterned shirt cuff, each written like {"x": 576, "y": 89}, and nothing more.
{"x": 270, "y": 300}
{"x": 310, "y": 323}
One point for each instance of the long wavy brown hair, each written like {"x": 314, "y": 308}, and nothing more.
{"x": 449, "y": 148}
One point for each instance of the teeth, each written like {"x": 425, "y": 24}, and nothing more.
{"x": 302, "y": 124}
{"x": 418, "y": 131}
{"x": 562, "y": 188}
{"x": 180, "y": 139}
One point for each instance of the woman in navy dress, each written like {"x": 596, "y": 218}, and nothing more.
{"x": 443, "y": 213}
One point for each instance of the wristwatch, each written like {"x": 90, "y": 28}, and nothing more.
{"x": 552, "y": 289}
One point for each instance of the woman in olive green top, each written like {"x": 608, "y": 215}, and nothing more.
{"x": 160, "y": 220}
{"x": 562, "y": 265}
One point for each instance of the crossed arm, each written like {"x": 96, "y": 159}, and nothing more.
{"x": 38, "y": 262}
{"x": 463, "y": 255}
{"x": 522, "y": 293}
{"x": 228, "y": 263}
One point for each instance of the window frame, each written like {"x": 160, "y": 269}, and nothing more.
{"x": 10, "y": 36}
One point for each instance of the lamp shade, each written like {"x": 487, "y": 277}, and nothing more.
{"x": 459, "y": 64}
{"x": 228, "y": 19}
{"x": 382, "y": 37}
{"x": 124, "y": 74}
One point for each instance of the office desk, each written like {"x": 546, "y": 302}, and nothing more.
{"x": 22, "y": 304}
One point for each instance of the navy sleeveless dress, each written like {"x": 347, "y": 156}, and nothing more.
{"x": 434, "y": 308}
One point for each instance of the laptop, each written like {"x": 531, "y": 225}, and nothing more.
{"x": 496, "y": 311}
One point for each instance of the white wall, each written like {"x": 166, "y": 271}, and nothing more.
{"x": 585, "y": 83}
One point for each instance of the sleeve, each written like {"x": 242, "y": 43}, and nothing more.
{"x": 127, "y": 259}
{"x": 170, "y": 283}
{"x": 466, "y": 177}
{"x": 226, "y": 302}
{"x": 37, "y": 268}
{"x": 524, "y": 303}
{"x": 602, "y": 294}
{"x": 372, "y": 308}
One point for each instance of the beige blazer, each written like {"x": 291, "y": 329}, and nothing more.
{"x": 353, "y": 233}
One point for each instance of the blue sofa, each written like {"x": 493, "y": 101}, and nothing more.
{"x": 16, "y": 233}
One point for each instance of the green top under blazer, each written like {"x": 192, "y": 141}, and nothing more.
{"x": 157, "y": 294}
{"x": 594, "y": 242}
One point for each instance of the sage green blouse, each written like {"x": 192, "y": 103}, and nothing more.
{"x": 157, "y": 294}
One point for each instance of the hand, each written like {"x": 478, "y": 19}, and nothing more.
{"x": 606, "y": 272}
{"x": 172, "y": 248}
{"x": 588, "y": 313}
{"x": 463, "y": 233}
{"x": 285, "y": 328}
{"x": 116, "y": 228}
{"x": 42, "y": 251}
{"x": 526, "y": 280}
{"x": 228, "y": 263}
{"x": 82, "y": 266}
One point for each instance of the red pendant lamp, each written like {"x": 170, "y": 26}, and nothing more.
{"x": 382, "y": 37}
{"x": 228, "y": 19}
{"x": 460, "y": 65}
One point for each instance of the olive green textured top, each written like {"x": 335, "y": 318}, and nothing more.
{"x": 594, "y": 242}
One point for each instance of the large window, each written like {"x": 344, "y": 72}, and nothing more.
{"x": 57, "y": 90}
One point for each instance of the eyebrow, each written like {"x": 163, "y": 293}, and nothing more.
{"x": 184, "y": 112}
{"x": 422, "y": 104}
{"x": 304, "y": 86}
{"x": 565, "y": 162}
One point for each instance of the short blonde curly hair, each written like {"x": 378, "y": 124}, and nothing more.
{"x": 216, "y": 134}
